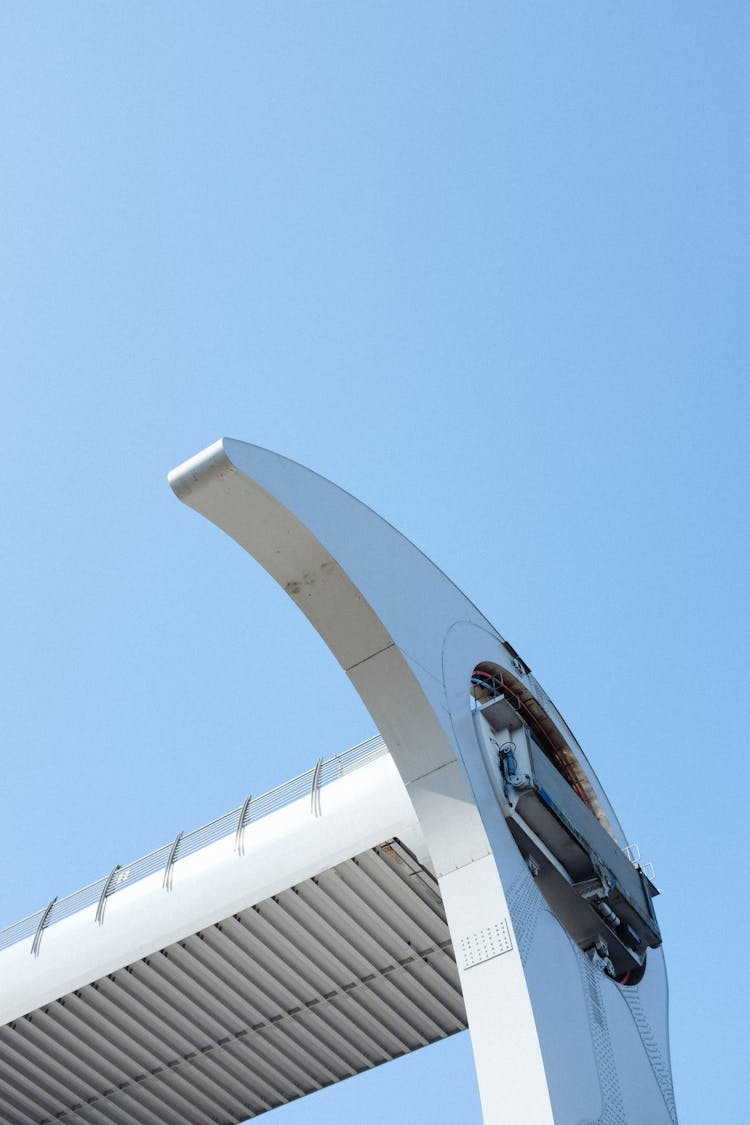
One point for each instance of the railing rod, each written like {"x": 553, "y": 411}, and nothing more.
{"x": 314, "y": 788}
{"x": 239, "y": 834}
{"x": 99, "y": 916}
{"x": 42, "y": 923}
{"x": 171, "y": 860}
{"x": 282, "y": 795}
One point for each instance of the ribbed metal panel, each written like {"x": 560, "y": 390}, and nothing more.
{"x": 329, "y": 978}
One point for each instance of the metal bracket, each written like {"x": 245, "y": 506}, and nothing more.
{"x": 99, "y": 916}
{"x": 42, "y": 923}
{"x": 315, "y": 790}
{"x": 238, "y": 836}
{"x": 171, "y": 860}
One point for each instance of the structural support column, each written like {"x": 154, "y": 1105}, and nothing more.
{"x": 507, "y": 1056}
{"x": 409, "y": 640}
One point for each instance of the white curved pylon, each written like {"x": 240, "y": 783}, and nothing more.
{"x": 554, "y": 1038}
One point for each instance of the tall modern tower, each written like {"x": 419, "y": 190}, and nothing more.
{"x": 467, "y": 871}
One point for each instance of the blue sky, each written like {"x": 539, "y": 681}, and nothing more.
{"x": 485, "y": 266}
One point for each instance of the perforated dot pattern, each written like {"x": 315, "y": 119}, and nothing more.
{"x": 655, "y": 1057}
{"x": 613, "y": 1112}
{"x": 485, "y": 944}
{"x": 525, "y": 904}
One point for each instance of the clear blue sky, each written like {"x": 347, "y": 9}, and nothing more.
{"x": 484, "y": 265}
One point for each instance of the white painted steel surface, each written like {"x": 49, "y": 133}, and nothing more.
{"x": 362, "y": 809}
{"x": 333, "y": 976}
{"x": 584, "y": 1048}
{"x": 144, "y": 1009}
{"x": 231, "y": 824}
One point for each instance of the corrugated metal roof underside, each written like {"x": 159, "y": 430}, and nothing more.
{"x": 327, "y": 979}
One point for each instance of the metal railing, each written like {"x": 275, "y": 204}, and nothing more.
{"x": 164, "y": 858}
